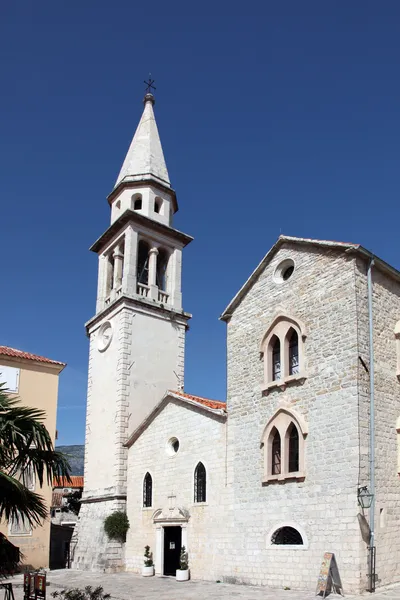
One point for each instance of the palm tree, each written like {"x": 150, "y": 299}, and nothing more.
{"x": 26, "y": 449}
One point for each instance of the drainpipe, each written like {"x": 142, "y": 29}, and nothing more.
{"x": 371, "y": 549}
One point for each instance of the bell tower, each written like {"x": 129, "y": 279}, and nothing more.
{"x": 137, "y": 336}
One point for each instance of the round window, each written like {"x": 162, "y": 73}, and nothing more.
{"x": 172, "y": 446}
{"x": 284, "y": 271}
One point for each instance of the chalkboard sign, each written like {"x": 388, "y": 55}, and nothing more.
{"x": 328, "y": 576}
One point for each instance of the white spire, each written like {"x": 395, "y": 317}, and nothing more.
{"x": 145, "y": 155}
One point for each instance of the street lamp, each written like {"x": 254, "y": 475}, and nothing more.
{"x": 364, "y": 497}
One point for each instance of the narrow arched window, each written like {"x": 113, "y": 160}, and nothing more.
{"x": 157, "y": 205}
{"x": 200, "y": 483}
{"x": 276, "y": 358}
{"x": 147, "y": 490}
{"x": 294, "y": 366}
{"x": 287, "y": 536}
{"x": 137, "y": 204}
{"x": 143, "y": 262}
{"x": 293, "y": 436}
{"x": 276, "y": 453}
{"x": 162, "y": 264}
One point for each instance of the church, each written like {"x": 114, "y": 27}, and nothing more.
{"x": 303, "y": 458}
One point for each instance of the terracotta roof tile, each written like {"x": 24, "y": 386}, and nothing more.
{"x": 14, "y": 353}
{"x": 76, "y": 482}
{"x": 216, "y": 404}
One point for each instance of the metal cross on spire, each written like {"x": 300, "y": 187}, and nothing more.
{"x": 149, "y": 85}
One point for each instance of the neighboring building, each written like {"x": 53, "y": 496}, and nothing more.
{"x": 60, "y": 515}
{"x": 34, "y": 380}
{"x": 63, "y": 520}
{"x": 258, "y": 488}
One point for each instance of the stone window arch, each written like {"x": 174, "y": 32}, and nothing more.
{"x": 283, "y": 444}
{"x": 282, "y": 349}
{"x": 287, "y": 535}
{"x": 200, "y": 483}
{"x": 147, "y": 491}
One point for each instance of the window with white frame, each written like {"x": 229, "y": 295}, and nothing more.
{"x": 282, "y": 349}
{"x": 9, "y": 376}
{"x": 283, "y": 443}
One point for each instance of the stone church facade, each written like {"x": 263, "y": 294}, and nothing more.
{"x": 258, "y": 488}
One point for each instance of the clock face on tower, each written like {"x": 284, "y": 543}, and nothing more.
{"x": 104, "y": 336}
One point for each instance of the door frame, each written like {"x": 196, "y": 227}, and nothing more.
{"x": 159, "y": 561}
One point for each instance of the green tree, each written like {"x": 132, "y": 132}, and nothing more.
{"x": 26, "y": 450}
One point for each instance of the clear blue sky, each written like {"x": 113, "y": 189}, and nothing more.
{"x": 274, "y": 116}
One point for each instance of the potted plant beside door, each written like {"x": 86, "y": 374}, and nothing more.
{"x": 182, "y": 574}
{"x": 148, "y": 567}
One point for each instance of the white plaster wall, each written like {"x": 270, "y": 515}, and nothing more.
{"x": 101, "y": 412}
{"x": 125, "y": 200}
{"x": 201, "y": 438}
{"x": 157, "y": 362}
{"x": 321, "y": 293}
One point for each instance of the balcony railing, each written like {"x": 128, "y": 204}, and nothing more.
{"x": 143, "y": 290}
{"x": 163, "y": 297}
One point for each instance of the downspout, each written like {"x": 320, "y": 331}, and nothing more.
{"x": 371, "y": 549}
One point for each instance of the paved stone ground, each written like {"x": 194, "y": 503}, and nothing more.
{"x": 128, "y": 586}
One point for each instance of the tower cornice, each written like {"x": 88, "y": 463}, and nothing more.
{"x": 140, "y": 305}
{"x": 130, "y": 216}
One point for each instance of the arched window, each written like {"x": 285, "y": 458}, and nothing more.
{"x": 284, "y": 446}
{"x": 162, "y": 264}
{"x": 293, "y": 339}
{"x": 276, "y": 452}
{"x": 143, "y": 262}
{"x": 147, "y": 490}
{"x": 276, "y": 358}
{"x": 137, "y": 202}
{"x": 200, "y": 483}
{"x": 287, "y": 536}
{"x": 282, "y": 348}
{"x": 157, "y": 205}
{"x": 293, "y": 437}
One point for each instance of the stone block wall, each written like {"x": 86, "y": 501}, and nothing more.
{"x": 321, "y": 293}
{"x": 386, "y": 312}
{"x": 90, "y": 547}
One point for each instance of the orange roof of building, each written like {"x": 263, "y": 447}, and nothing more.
{"x": 14, "y": 353}
{"x": 76, "y": 482}
{"x": 205, "y": 401}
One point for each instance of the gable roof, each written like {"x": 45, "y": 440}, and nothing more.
{"x": 207, "y": 406}
{"x": 328, "y": 244}
{"x": 14, "y": 353}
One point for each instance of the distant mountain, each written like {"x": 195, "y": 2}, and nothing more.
{"x": 75, "y": 455}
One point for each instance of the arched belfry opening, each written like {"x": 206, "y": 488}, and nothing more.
{"x": 143, "y": 262}
{"x": 162, "y": 269}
